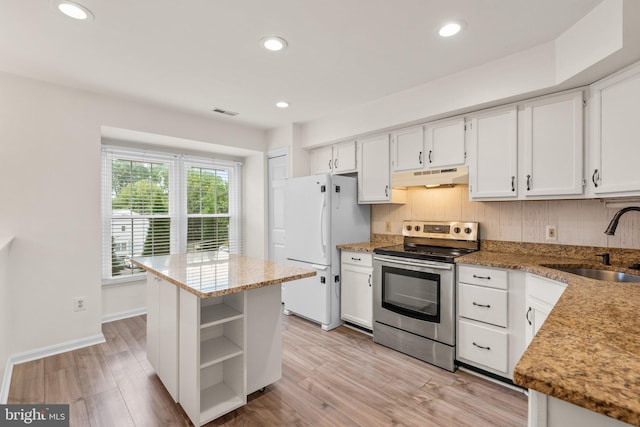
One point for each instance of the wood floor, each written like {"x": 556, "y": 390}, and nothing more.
{"x": 336, "y": 378}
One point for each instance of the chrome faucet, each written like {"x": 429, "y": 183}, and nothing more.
{"x": 611, "y": 229}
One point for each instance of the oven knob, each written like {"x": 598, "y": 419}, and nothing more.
{"x": 456, "y": 230}
{"x": 467, "y": 230}
{"x": 417, "y": 228}
{"x": 408, "y": 227}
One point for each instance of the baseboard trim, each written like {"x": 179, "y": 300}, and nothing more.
{"x": 124, "y": 315}
{"x": 39, "y": 354}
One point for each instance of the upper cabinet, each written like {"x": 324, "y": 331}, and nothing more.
{"x": 493, "y": 154}
{"x": 407, "y": 149}
{"x": 553, "y": 146}
{"x": 344, "y": 157}
{"x": 321, "y": 160}
{"x": 336, "y": 159}
{"x": 615, "y": 145}
{"x": 374, "y": 179}
{"x": 444, "y": 143}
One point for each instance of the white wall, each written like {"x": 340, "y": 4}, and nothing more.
{"x": 291, "y": 138}
{"x": 50, "y": 190}
{"x": 598, "y": 45}
{"x": 5, "y": 305}
{"x": 578, "y": 222}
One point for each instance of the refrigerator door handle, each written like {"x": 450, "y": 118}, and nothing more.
{"x": 322, "y": 230}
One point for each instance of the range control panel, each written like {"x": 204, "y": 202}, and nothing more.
{"x": 441, "y": 230}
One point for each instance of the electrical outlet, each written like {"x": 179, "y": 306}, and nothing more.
{"x": 79, "y": 303}
{"x": 387, "y": 226}
{"x": 551, "y": 233}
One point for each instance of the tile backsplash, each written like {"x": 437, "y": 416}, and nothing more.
{"x": 578, "y": 222}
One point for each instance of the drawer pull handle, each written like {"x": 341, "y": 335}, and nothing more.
{"x": 369, "y": 280}
{"x": 481, "y": 305}
{"x": 482, "y": 277}
{"x": 527, "y": 316}
{"x": 356, "y": 259}
{"x": 482, "y": 347}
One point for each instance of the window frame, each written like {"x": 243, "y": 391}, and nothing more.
{"x": 178, "y": 165}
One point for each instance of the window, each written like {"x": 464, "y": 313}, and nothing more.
{"x": 158, "y": 204}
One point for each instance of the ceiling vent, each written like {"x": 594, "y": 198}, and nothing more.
{"x": 227, "y": 112}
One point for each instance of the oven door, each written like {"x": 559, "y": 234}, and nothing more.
{"x": 415, "y": 296}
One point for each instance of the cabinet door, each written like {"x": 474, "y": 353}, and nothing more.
{"x": 407, "y": 149}
{"x": 493, "y": 152}
{"x": 445, "y": 143}
{"x": 616, "y": 148}
{"x": 356, "y": 298}
{"x": 168, "y": 369}
{"x": 374, "y": 179}
{"x": 322, "y": 160}
{"x": 344, "y": 157}
{"x": 553, "y": 146}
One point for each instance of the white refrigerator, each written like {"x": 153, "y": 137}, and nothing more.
{"x": 321, "y": 211}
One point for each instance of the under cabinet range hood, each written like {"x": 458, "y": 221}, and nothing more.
{"x": 432, "y": 177}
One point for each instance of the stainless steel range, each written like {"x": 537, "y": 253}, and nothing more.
{"x": 414, "y": 289}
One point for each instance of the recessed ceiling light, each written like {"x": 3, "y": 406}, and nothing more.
{"x": 282, "y": 104}
{"x": 450, "y": 29}
{"x": 273, "y": 44}
{"x": 73, "y": 10}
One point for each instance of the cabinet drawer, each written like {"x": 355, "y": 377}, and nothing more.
{"x": 483, "y": 276}
{"x": 363, "y": 259}
{"x": 483, "y": 304}
{"x": 483, "y": 345}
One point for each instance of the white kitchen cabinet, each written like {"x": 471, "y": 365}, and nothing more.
{"x": 553, "y": 145}
{"x": 356, "y": 295}
{"x": 615, "y": 148}
{"x": 541, "y": 295}
{"x": 344, "y": 157}
{"x": 490, "y": 323}
{"x": 321, "y": 160}
{"x": 335, "y": 159}
{"x": 407, "y": 149}
{"x": 445, "y": 143}
{"x": 493, "y": 154}
{"x": 162, "y": 332}
{"x": 374, "y": 177}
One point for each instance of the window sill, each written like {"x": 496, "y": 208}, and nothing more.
{"x": 138, "y": 278}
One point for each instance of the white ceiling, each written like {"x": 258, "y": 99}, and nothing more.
{"x": 197, "y": 55}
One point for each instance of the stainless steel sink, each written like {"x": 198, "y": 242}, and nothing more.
{"x": 593, "y": 273}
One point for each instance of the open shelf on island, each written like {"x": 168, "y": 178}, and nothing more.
{"x": 211, "y": 315}
{"x": 216, "y": 400}
{"x": 217, "y": 350}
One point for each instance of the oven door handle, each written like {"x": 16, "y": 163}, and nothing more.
{"x": 414, "y": 264}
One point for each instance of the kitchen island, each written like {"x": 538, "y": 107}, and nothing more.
{"x": 213, "y": 327}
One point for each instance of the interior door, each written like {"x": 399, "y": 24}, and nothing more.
{"x": 278, "y": 168}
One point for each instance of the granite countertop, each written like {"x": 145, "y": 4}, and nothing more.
{"x": 588, "y": 350}
{"x": 212, "y": 274}
{"x": 363, "y": 246}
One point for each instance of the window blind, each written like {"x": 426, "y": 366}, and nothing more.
{"x": 158, "y": 204}
{"x": 138, "y": 209}
{"x": 212, "y": 205}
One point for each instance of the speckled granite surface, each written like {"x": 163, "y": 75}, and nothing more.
{"x": 588, "y": 350}
{"x": 363, "y": 246}
{"x": 212, "y": 274}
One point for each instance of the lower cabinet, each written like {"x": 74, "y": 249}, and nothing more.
{"x": 541, "y": 295}
{"x": 490, "y": 321}
{"x": 356, "y": 294}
